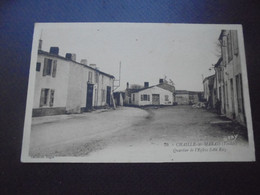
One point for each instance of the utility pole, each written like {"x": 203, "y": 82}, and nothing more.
{"x": 116, "y": 86}
{"x": 119, "y": 78}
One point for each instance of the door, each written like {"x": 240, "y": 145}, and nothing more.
{"x": 155, "y": 99}
{"x": 89, "y": 96}
{"x": 108, "y": 95}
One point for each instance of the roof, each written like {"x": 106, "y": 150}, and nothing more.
{"x": 138, "y": 90}
{"x": 221, "y": 34}
{"x": 181, "y": 92}
{"x": 218, "y": 62}
{"x": 63, "y": 58}
{"x": 166, "y": 86}
{"x": 209, "y": 77}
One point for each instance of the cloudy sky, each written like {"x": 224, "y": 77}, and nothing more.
{"x": 181, "y": 52}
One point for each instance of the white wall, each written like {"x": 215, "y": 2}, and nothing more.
{"x": 59, "y": 83}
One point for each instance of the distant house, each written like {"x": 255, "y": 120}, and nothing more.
{"x": 160, "y": 94}
{"x": 63, "y": 85}
{"x": 151, "y": 96}
{"x": 209, "y": 93}
{"x": 184, "y": 97}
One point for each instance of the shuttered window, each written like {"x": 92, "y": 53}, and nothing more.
{"x": 103, "y": 95}
{"x": 44, "y": 97}
{"x": 90, "y": 76}
{"x": 49, "y": 67}
{"x": 47, "y": 97}
{"x": 38, "y": 67}
{"x": 51, "y": 97}
{"x": 230, "y": 49}
{"x": 235, "y": 42}
{"x": 54, "y": 69}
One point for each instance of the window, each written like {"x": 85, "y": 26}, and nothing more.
{"x": 133, "y": 97}
{"x": 47, "y": 97}
{"x": 235, "y": 41}
{"x": 51, "y": 97}
{"x": 227, "y": 103}
{"x": 229, "y": 47}
{"x": 38, "y": 67}
{"x": 145, "y": 97}
{"x": 90, "y": 76}
{"x": 50, "y": 67}
{"x": 44, "y": 97}
{"x": 166, "y": 97}
{"x": 96, "y": 77}
{"x": 54, "y": 68}
{"x": 239, "y": 93}
{"x": 103, "y": 95}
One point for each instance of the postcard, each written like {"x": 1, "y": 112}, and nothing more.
{"x": 137, "y": 93}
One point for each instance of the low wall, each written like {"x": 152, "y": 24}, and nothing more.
{"x": 48, "y": 111}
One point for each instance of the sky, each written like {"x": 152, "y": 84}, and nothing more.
{"x": 183, "y": 53}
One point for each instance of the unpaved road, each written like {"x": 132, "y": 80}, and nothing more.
{"x": 130, "y": 134}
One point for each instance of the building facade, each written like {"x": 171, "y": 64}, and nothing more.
{"x": 151, "y": 96}
{"x": 184, "y": 97}
{"x": 229, "y": 77}
{"x": 63, "y": 85}
{"x": 208, "y": 91}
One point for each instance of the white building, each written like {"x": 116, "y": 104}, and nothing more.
{"x": 63, "y": 85}
{"x": 229, "y": 84}
{"x": 152, "y": 96}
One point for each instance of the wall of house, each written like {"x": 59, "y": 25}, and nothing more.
{"x": 104, "y": 82}
{"x": 59, "y": 84}
{"x": 232, "y": 79}
{"x": 77, "y": 88}
{"x": 70, "y": 87}
{"x": 182, "y": 99}
{"x": 79, "y": 78}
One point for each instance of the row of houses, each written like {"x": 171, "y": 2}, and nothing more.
{"x": 63, "y": 85}
{"x": 224, "y": 89}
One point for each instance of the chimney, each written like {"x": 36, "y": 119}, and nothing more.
{"x": 40, "y": 45}
{"x": 54, "y": 50}
{"x": 160, "y": 81}
{"x": 127, "y": 85}
{"x": 146, "y": 84}
{"x": 93, "y": 66}
{"x": 84, "y": 61}
{"x": 71, "y": 56}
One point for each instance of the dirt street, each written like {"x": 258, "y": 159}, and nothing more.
{"x": 131, "y": 134}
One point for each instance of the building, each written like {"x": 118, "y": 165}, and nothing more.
{"x": 229, "y": 77}
{"x": 119, "y": 98}
{"x": 153, "y": 95}
{"x": 160, "y": 94}
{"x": 63, "y": 85}
{"x": 208, "y": 89}
{"x": 184, "y": 97}
{"x": 165, "y": 85}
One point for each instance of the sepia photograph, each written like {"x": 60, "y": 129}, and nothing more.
{"x": 137, "y": 92}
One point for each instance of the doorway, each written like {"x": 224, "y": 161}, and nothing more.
{"x": 155, "y": 99}
{"x": 108, "y": 95}
{"x": 89, "y": 99}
